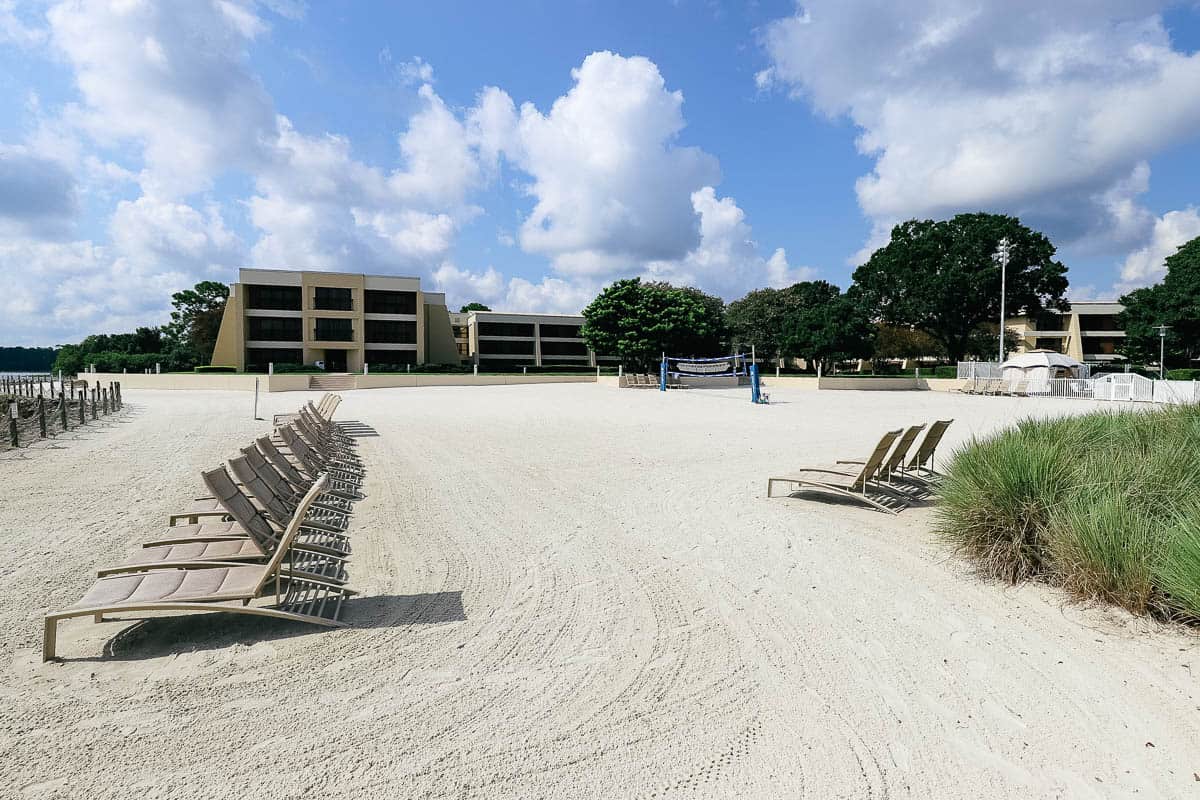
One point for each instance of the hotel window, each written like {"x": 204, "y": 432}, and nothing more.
{"x": 505, "y": 329}
{"x": 390, "y": 360}
{"x": 275, "y": 298}
{"x": 257, "y": 358}
{"x": 387, "y": 331}
{"x": 377, "y": 302}
{"x": 560, "y": 331}
{"x": 328, "y": 298}
{"x": 493, "y": 347}
{"x": 564, "y": 349}
{"x": 334, "y": 330}
{"x": 275, "y": 329}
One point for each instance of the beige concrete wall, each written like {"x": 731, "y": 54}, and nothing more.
{"x": 898, "y": 384}
{"x": 184, "y": 380}
{"x": 230, "y": 349}
{"x": 441, "y": 347}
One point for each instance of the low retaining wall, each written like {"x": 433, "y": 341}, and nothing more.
{"x": 292, "y": 382}
{"x": 900, "y": 383}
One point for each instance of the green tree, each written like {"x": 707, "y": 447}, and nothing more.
{"x": 940, "y": 277}
{"x": 639, "y": 321}
{"x": 473, "y": 307}
{"x": 191, "y": 334}
{"x": 823, "y": 326}
{"x": 1174, "y": 302}
{"x": 758, "y": 320}
{"x": 895, "y": 342}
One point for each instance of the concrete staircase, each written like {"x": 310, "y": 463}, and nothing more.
{"x": 331, "y": 383}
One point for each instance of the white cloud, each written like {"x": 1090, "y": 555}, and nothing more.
{"x": 1045, "y": 110}
{"x": 176, "y": 237}
{"x": 726, "y": 260}
{"x": 1146, "y": 264}
{"x": 173, "y": 79}
{"x": 17, "y": 31}
{"x": 38, "y": 195}
{"x": 612, "y": 186}
{"x": 414, "y": 72}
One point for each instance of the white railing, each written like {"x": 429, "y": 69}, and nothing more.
{"x": 970, "y": 370}
{"x": 1122, "y": 388}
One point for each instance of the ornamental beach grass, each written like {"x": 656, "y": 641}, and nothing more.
{"x": 1106, "y": 505}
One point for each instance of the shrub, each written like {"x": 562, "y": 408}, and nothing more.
{"x": 1183, "y": 374}
{"x": 216, "y": 368}
{"x": 299, "y": 368}
{"x": 1101, "y": 504}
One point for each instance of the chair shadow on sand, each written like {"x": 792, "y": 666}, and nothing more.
{"x": 355, "y": 429}
{"x": 164, "y": 636}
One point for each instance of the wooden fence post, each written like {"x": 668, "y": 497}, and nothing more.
{"x": 62, "y": 406}
{"x": 93, "y": 398}
{"x": 82, "y": 418}
{"x": 41, "y": 414}
{"x": 12, "y": 423}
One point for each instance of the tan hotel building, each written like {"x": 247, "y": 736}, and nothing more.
{"x": 341, "y": 319}
{"x": 503, "y": 340}
{"x": 1089, "y": 332}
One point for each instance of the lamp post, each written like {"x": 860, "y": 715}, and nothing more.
{"x": 1162, "y": 347}
{"x": 1003, "y": 251}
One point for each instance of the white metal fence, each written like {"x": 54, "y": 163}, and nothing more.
{"x": 1119, "y": 387}
{"x": 970, "y": 370}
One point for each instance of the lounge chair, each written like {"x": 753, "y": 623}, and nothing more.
{"x": 214, "y": 586}
{"x": 314, "y": 463}
{"x": 291, "y": 472}
{"x": 280, "y": 419}
{"x": 921, "y": 465}
{"x": 865, "y": 485}
{"x": 893, "y": 465}
{"x": 251, "y": 521}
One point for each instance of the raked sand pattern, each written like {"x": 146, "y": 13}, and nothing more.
{"x": 576, "y": 591}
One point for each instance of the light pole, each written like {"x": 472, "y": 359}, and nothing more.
{"x": 1003, "y": 250}
{"x": 1162, "y": 347}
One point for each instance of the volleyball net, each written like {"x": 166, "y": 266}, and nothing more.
{"x": 687, "y": 373}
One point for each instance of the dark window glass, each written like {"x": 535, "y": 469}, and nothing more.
{"x": 1098, "y": 322}
{"x": 257, "y": 358}
{"x": 500, "y": 363}
{"x": 335, "y": 330}
{"x": 564, "y": 349}
{"x": 505, "y": 329}
{"x": 328, "y": 298}
{"x": 278, "y": 298}
{"x": 503, "y": 347}
{"x": 390, "y": 360}
{"x": 389, "y": 331}
{"x": 1049, "y": 344}
{"x": 275, "y": 329}
{"x": 560, "y": 331}
{"x": 378, "y": 302}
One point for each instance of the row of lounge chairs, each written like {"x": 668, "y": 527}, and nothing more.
{"x": 997, "y": 386}
{"x": 889, "y": 480}
{"x": 272, "y": 528}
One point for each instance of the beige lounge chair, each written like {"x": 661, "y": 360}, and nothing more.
{"x": 214, "y": 586}
{"x": 893, "y": 465}
{"x": 865, "y": 485}
{"x": 315, "y": 463}
{"x": 251, "y": 521}
{"x": 291, "y": 472}
{"x": 921, "y": 465}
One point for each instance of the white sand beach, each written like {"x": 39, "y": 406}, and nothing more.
{"x": 576, "y": 591}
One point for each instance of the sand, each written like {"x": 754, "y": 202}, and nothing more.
{"x": 576, "y": 591}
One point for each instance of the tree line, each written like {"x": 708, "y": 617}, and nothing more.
{"x": 932, "y": 290}
{"x": 27, "y": 359}
{"x": 1174, "y": 302}
{"x": 182, "y": 344}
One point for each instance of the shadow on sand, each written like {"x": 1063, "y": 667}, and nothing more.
{"x": 164, "y": 636}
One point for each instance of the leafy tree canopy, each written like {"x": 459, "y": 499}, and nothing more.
{"x": 192, "y": 332}
{"x": 473, "y": 307}
{"x": 823, "y": 326}
{"x": 1176, "y": 303}
{"x": 758, "y": 320}
{"x": 639, "y": 321}
{"x": 941, "y": 278}
{"x": 26, "y": 359}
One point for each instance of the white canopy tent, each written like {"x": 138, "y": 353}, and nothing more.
{"x": 1039, "y": 366}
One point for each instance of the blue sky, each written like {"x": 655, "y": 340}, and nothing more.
{"x": 525, "y": 154}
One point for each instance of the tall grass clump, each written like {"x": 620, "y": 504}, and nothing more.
{"x": 1106, "y": 505}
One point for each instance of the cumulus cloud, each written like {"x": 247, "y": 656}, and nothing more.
{"x": 38, "y": 195}
{"x": 174, "y": 79}
{"x": 726, "y": 260}
{"x": 175, "y": 236}
{"x": 1046, "y": 110}
{"x": 1146, "y": 265}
